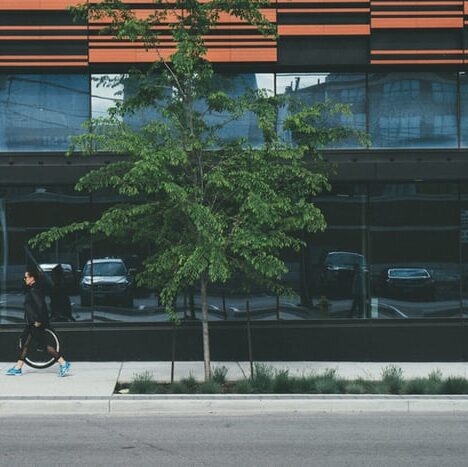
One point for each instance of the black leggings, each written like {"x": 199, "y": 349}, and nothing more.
{"x": 38, "y": 334}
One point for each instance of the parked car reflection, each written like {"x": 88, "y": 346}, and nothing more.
{"x": 110, "y": 280}
{"x": 338, "y": 271}
{"x": 414, "y": 283}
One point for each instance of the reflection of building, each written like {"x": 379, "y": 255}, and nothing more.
{"x": 401, "y": 203}
{"x": 234, "y": 85}
{"x": 41, "y": 112}
{"x": 399, "y": 109}
{"x": 348, "y": 88}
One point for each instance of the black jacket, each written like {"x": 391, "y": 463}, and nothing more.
{"x": 35, "y": 307}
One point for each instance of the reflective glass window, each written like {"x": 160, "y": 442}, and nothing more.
{"x": 464, "y": 245}
{"x": 26, "y": 211}
{"x": 246, "y": 126}
{"x": 402, "y": 88}
{"x": 414, "y": 249}
{"x": 344, "y": 88}
{"x": 109, "y": 89}
{"x": 332, "y": 279}
{"x": 463, "y": 109}
{"x": 106, "y": 91}
{"x": 413, "y": 109}
{"x": 41, "y": 112}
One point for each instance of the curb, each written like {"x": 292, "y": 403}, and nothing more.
{"x": 169, "y": 404}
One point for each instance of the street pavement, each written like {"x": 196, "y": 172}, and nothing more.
{"x": 286, "y": 439}
{"x": 90, "y": 389}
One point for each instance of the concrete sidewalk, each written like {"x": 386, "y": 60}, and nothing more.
{"x": 90, "y": 386}
{"x": 92, "y": 379}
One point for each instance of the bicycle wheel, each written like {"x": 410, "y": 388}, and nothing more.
{"x": 40, "y": 358}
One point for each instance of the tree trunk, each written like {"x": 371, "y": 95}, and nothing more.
{"x": 206, "y": 337}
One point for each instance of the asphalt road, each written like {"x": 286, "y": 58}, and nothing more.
{"x": 240, "y": 440}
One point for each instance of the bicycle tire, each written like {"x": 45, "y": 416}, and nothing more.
{"x": 33, "y": 358}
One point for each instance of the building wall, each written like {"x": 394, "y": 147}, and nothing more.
{"x": 41, "y": 33}
{"x": 399, "y": 204}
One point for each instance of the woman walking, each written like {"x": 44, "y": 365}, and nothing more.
{"x": 37, "y": 319}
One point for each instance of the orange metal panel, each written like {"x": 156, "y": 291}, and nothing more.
{"x": 140, "y": 14}
{"x": 37, "y": 4}
{"x": 172, "y": 15}
{"x": 231, "y": 44}
{"x": 229, "y": 54}
{"x": 242, "y": 55}
{"x": 324, "y": 30}
{"x": 407, "y": 23}
{"x": 269, "y": 14}
{"x": 43, "y": 64}
{"x": 127, "y": 56}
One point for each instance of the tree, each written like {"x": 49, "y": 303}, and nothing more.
{"x": 210, "y": 206}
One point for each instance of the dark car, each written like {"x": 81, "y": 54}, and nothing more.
{"x": 110, "y": 281}
{"x": 409, "y": 282}
{"x": 338, "y": 270}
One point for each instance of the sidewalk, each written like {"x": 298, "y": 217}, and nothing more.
{"x": 90, "y": 386}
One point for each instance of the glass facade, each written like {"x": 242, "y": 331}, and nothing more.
{"x": 390, "y": 251}
{"x": 417, "y": 110}
{"x": 344, "y": 88}
{"x": 463, "y": 79}
{"x": 246, "y": 126}
{"x": 104, "y": 96}
{"x": 413, "y": 242}
{"x": 39, "y": 112}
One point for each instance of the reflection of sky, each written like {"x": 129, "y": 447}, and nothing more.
{"x": 301, "y": 80}
{"x": 265, "y": 81}
{"x": 103, "y": 97}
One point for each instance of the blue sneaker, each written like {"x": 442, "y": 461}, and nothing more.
{"x": 14, "y": 371}
{"x": 64, "y": 369}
